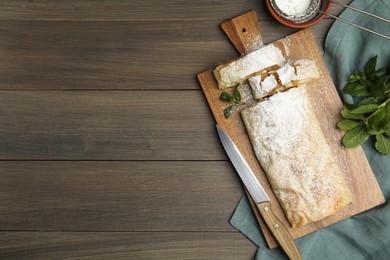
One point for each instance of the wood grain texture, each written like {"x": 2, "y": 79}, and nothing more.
{"x": 118, "y": 196}
{"x": 279, "y": 231}
{"x": 326, "y": 104}
{"x": 133, "y": 55}
{"x": 56, "y": 57}
{"x": 124, "y": 10}
{"x": 125, "y": 245}
{"x": 101, "y": 125}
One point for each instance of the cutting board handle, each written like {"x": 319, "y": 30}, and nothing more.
{"x": 244, "y": 32}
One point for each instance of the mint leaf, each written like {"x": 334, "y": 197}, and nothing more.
{"x": 364, "y": 109}
{"x": 350, "y": 106}
{"x": 378, "y": 88}
{"x": 387, "y": 85}
{"x": 369, "y": 68}
{"x": 350, "y": 86}
{"x": 367, "y": 101}
{"x": 346, "y": 113}
{"x": 365, "y": 82}
{"x": 386, "y": 120}
{"x": 384, "y": 79}
{"x": 382, "y": 144}
{"x": 387, "y": 132}
{"x": 346, "y": 124}
{"x": 226, "y": 97}
{"x": 229, "y": 110}
{"x": 356, "y": 136}
{"x": 370, "y": 116}
{"x": 376, "y": 119}
{"x": 380, "y": 70}
{"x": 354, "y": 77}
{"x": 375, "y": 132}
{"x": 356, "y": 89}
{"x": 236, "y": 94}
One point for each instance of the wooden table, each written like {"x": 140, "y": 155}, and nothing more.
{"x": 108, "y": 148}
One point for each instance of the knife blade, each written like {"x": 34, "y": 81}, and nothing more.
{"x": 259, "y": 196}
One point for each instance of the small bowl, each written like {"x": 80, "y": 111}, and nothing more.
{"x": 325, "y": 7}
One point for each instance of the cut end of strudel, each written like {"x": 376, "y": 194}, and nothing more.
{"x": 237, "y": 71}
{"x": 288, "y": 76}
{"x": 288, "y": 142}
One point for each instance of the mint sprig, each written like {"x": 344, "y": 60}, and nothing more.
{"x": 371, "y": 115}
{"x": 234, "y": 97}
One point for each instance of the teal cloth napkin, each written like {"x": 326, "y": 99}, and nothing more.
{"x": 367, "y": 235}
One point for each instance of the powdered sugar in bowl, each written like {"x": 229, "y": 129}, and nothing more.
{"x": 298, "y": 13}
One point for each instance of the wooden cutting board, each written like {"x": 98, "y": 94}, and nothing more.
{"x": 244, "y": 33}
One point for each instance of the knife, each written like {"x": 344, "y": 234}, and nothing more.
{"x": 259, "y": 196}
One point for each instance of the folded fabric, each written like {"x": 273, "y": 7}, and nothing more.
{"x": 367, "y": 235}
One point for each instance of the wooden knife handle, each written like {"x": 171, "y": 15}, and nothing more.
{"x": 279, "y": 230}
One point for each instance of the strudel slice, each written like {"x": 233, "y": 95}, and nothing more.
{"x": 287, "y": 76}
{"x": 288, "y": 142}
{"x": 255, "y": 63}
{"x": 305, "y": 71}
